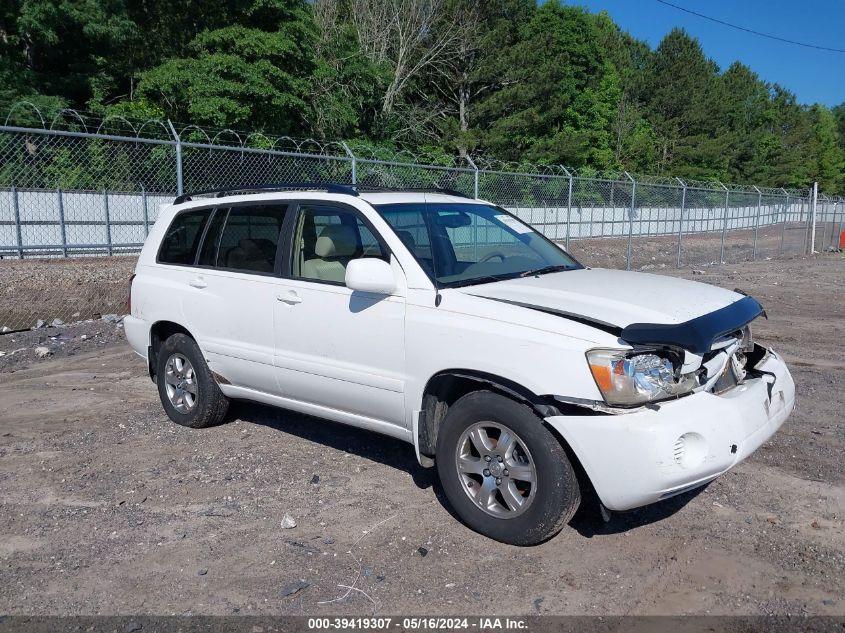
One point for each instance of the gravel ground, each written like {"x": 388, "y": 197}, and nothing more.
{"x": 21, "y": 349}
{"x": 67, "y": 289}
{"x": 109, "y": 508}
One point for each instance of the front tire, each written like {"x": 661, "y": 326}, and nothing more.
{"x": 503, "y": 471}
{"x": 186, "y": 386}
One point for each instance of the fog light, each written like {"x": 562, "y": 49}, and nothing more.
{"x": 690, "y": 450}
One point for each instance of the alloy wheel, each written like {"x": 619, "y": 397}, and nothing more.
{"x": 496, "y": 470}
{"x": 180, "y": 383}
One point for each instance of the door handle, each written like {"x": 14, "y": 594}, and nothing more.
{"x": 197, "y": 282}
{"x": 289, "y": 297}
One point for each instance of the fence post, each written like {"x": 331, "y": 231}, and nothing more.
{"x": 681, "y": 221}
{"x": 823, "y": 220}
{"x": 825, "y": 202}
{"x": 724, "y": 224}
{"x": 756, "y": 222}
{"x": 108, "y": 221}
{"x": 17, "y": 221}
{"x": 558, "y": 206}
{"x": 179, "y": 184}
{"x": 568, "y": 211}
{"x": 146, "y": 213}
{"x": 839, "y": 232}
{"x": 631, "y": 219}
{"x": 806, "y": 218}
{"x": 815, "y": 205}
{"x": 62, "y": 221}
{"x": 545, "y": 230}
{"x": 806, "y": 222}
{"x": 785, "y": 219}
{"x": 474, "y": 176}
{"x": 354, "y": 161}
{"x": 832, "y": 222}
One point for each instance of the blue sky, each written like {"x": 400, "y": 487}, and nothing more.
{"x": 813, "y": 75}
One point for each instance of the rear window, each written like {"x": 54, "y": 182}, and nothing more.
{"x": 249, "y": 238}
{"x": 182, "y": 239}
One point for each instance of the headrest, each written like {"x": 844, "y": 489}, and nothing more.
{"x": 250, "y": 249}
{"x": 336, "y": 240}
{"x": 407, "y": 239}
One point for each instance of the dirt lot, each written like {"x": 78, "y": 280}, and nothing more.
{"x": 108, "y": 508}
{"x": 67, "y": 289}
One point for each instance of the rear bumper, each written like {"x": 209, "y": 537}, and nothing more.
{"x": 138, "y": 335}
{"x": 638, "y": 458}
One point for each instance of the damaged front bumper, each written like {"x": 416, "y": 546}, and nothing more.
{"x": 649, "y": 454}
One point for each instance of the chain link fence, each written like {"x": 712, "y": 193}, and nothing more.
{"x": 69, "y": 190}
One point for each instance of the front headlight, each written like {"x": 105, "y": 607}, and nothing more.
{"x": 627, "y": 378}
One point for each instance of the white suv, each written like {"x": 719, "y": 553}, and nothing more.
{"x": 447, "y": 322}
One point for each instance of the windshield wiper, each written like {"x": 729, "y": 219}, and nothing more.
{"x": 486, "y": 279}
{"x": 545, "y": 270}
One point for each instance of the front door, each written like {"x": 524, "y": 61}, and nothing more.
{"x": 334, "y": 347}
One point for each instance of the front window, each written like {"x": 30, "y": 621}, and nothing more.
{"x": 463, "y": 244}
{"x": 326, "y": 239}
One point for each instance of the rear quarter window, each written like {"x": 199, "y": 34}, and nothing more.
{"x": 182, "y": 238}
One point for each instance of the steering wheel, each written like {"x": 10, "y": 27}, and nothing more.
{"x": 490, "y": 256}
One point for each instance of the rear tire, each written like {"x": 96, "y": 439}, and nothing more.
{"x": 505, "y": 474}
{"x": 186, "y": 386}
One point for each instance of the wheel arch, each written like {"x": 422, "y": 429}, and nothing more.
{"x": 447, "y": 386}
{"x": 160, "y": 331}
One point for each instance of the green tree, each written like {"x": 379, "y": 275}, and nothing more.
{"x": 825, "y": 152}
{"x": 746, "y": 123}
{"x": 251, "y": 74}
{"x": 61, "y": 47}
{"x": 558, "y": 93}
{"x": 487, "y": 32}
{"x": 345, "y": 85}
{"x": 680, "y": 96}
{"x": 512, "y": 79}
{"x": 792, "y": 132}
{"x": 633, "y": 138}
{"x": 839, "y": 113}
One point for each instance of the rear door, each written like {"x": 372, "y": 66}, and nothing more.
{"x": 334, "y": 347}
{"x": 230, "y": 295}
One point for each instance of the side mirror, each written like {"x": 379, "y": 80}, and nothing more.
{"x": 370, "y": 275}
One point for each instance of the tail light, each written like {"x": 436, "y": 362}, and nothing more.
{"x": 129, "y": 297}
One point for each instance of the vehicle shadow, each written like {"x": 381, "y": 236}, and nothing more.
{"x": 372, "y": 446}
{"x": 399, "y": 455}
{"x": 589, "y": 522}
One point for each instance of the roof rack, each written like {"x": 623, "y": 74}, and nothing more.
{"x": 328, "y": 187}
{"x": 444, "y": 191}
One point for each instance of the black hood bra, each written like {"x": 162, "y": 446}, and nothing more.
{"x": 696, "y": 335}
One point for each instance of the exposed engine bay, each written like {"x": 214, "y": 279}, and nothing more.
{"x": 729, "y": 363}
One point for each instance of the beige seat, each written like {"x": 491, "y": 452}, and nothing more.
{"x": 334, "y": 248}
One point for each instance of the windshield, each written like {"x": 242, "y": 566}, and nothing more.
{"x": 463, "y": 244}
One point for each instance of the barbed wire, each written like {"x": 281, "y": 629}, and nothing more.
{"x": 28, "y": 114}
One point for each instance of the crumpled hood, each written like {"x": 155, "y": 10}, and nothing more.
{"x": 614, "y": 297}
